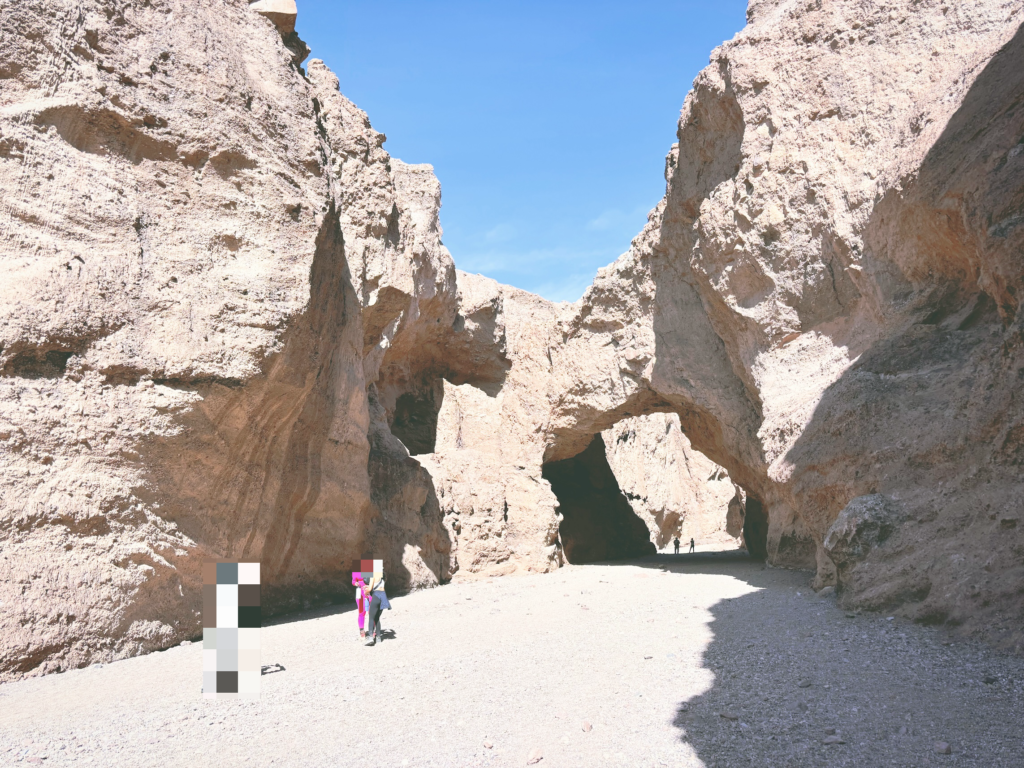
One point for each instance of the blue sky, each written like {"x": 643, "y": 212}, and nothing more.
{"x": 546, "y": 122}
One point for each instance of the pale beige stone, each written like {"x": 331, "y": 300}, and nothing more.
{"x": 827, "y": 298}
{"x": 675, "y": 490}
{"x": 184, "y": 363}
{"x": 282, "y": 12}
{"x": 826, "y": 291}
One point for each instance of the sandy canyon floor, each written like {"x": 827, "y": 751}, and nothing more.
{"x": 690, "y": 660}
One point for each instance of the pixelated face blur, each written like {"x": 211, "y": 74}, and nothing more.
{"x": 369, "y": 571}
{"x": 231, "y": 630}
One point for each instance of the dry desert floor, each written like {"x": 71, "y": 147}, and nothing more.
{"x": 690, "y": 660}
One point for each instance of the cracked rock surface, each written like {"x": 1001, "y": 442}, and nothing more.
{"x": 191, "y": 235}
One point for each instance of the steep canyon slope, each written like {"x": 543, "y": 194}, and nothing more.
{"x": 827, "y": 299}
{"x": 828, "y": 296}
{"x": 207, "y": 259}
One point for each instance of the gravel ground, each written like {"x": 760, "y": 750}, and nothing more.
{"x": 689, "y": 660}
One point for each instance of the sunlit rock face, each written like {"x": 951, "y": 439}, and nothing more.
{"x": 676, "y": 491}
{"x": 828, "y": 297}
{"x": 206, "y": 254}
{"x": 281, "y": 12}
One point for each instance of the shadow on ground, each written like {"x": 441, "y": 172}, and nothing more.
{"x": 324, "y": 612}
{"x": 312, "y": 613}
{"x": 799, "y": 683}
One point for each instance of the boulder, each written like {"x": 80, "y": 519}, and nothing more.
{"x": 863, "y": 525}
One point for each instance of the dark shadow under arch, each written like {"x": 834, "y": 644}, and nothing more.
{"x": 598, "y": 522}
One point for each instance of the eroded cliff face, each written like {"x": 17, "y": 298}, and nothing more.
{"x": 205, "y": 253}
{"x": 488, "y": 455}
{"x": 828, "y": 297}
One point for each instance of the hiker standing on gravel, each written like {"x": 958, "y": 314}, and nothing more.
{"x": 676, "y": 543}
{"x": 378, "y": 602}
{"x": 692, "y": 545}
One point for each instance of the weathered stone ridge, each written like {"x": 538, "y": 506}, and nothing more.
{"x": 828, "y": 299}
{"x": 828, "y": 296}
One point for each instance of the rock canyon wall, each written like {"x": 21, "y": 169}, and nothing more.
{"x": 828, "y": 298}
{"x": 229, "y": 328}
{"x": 675, "y": 490}
{"x": 207, "y": 262}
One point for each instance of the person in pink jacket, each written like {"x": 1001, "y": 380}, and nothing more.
{"x": 362, "y": 600}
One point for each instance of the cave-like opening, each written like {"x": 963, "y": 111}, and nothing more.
{"x": 755, "y": 528}
{"x": 415, "y": 420}
{"x": 676, "y": 489}
{"x": 598, "y": 522}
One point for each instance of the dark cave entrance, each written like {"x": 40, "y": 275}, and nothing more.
{"x": 755, "y": 528}
{"x": 415, "y": 420}
{"x": 598, "y": 522}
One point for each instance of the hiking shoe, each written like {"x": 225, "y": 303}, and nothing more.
{"x": 370, "y": 641}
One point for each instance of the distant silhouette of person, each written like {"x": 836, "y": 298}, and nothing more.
{"x": 676, "y": 543}
{"x": 692, "y": 545}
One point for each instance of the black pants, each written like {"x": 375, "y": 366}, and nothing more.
{"x": 677, "y": 547}
{"x": 376, "y": 609}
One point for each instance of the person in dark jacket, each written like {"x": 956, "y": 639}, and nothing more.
{"x": 676, "y": 542}
{"x": 378, "y": 602}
